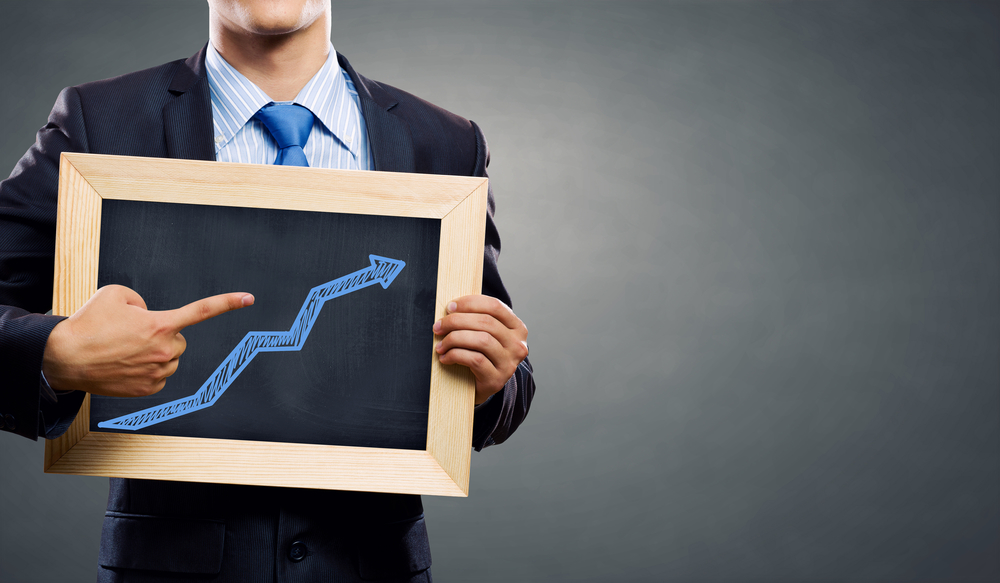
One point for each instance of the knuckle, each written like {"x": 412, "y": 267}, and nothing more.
{"x": 504, "y": 308}
{"x": 163, "y": 355}
{"x": 160, "y": 324}
{"x": 484, "y": 340}
{"x": 153, "y": 373}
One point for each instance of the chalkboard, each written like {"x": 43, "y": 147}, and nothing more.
{"x": 330, "y": 379}
{"x": 361, "y": 376}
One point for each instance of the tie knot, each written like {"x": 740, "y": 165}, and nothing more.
{"x": 289, "y": 123}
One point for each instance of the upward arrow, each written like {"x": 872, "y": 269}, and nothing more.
{"x": 382, "y": 271}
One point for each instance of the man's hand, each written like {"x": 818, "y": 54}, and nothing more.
{"x": 114, "y": 346}
{"x": 482, "y": 333}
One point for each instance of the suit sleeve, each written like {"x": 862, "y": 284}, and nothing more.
{"x": 27, "y": 242}
{"x": 497, "y": 418}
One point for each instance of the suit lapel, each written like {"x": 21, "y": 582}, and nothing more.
{"x": 187, "y": 119}
{"x": 388, "y": 136}
{"x": 188, "y": 128}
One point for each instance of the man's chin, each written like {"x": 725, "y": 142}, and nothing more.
{"x": 269, "y": 20}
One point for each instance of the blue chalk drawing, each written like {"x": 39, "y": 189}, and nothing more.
{"x": 382, "y": 270}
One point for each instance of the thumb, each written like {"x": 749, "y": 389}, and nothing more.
{"x": 119, "y": 293}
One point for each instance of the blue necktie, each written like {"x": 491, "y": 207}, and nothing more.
{"x": 289, "y": 125}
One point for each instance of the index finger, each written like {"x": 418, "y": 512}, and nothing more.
{"x": 205, "y": 308}
{"x": 483, "y": 304}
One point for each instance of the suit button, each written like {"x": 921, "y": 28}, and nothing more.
{"x": 297, "y": 551}
{"x": 9, "y": 421}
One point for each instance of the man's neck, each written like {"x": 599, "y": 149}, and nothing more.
{"x": 279, "y": 64}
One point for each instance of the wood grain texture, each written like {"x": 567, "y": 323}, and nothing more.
{"x": 278, "y": 187}
{"x": 459, "y": 202}
{"x": 56, "y": 448}
{"x": 452, "y": 398}
{"x": 257, "y": 462}
{"x": 78, "y": 237}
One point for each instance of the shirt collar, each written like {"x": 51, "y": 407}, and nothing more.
{"x": 235, "y": 99}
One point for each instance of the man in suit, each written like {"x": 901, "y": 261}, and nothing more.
{"x": 160, "y": 531}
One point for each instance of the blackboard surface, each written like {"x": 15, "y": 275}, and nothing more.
{"x": 360, "y": 379}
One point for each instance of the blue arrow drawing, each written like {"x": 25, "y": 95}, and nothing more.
{"x": 382, "y": 270}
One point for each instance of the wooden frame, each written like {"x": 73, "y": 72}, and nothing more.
{"x": 442, "y": 468}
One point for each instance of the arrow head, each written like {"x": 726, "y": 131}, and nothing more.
{"x": 386, "y": 269}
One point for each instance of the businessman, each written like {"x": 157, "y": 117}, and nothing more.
{"x": 268, "y": 88}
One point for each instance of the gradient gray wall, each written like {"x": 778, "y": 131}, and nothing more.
{"x": 757, "y": 248}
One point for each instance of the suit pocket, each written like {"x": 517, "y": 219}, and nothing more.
{"x": 159, "y": 543}
{"x": 395, "y": 550}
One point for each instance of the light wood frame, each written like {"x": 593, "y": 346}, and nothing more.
{"x": 442, "y": 468}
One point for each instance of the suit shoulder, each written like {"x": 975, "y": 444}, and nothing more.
{"x": 124, "y": 114}
{"x": 421, "y": 110}
{"x": 444, "y": 142}
{"x": 131, "y": 84}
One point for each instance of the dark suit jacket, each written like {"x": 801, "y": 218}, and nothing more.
{"x": 160, "y": 531}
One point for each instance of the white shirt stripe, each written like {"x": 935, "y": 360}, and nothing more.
{"x": 338, "y": 139}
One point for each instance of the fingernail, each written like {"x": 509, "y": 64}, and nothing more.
{"x": 437, "y": 327}
{"x": 437, "y": 347}
{"x": 452, "y": 307}
{"x": 248, "y": 300}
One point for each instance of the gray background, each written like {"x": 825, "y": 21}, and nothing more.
{"x": 756, "y": 244}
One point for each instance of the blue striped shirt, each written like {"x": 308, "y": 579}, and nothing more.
{"x": 338, "y": 138}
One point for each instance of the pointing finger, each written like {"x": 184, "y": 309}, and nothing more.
{"x": 206, "y": 308}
